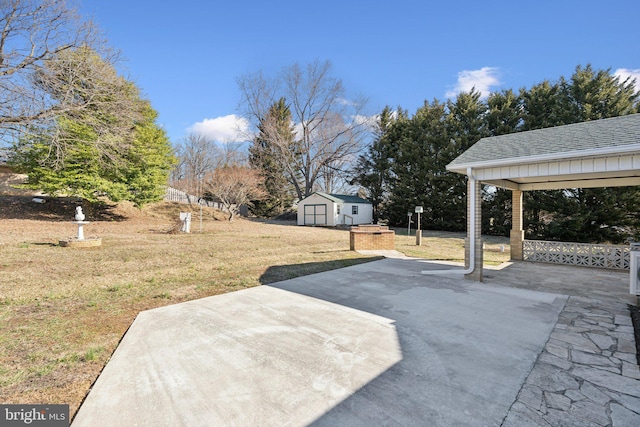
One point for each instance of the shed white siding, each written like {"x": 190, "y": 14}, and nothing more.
{"x": 364, "y": 214}
{"x": 320, "y": 209}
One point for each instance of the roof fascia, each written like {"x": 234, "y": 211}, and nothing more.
{"x": 576, "y": 154}
{"x": 563, "y": 184}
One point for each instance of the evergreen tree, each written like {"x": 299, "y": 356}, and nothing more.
{"x": 79, "y": 172}
{"x": 423, "y": 146}
{"x": 595, "y": 215}
{"x": 149, "y": 160}
{"x": 540, "y": 107}
{"x": 96, "y": 153}
{"x": 503, "y": 113}
{"x": 266, "y": 156}
{"x": 466, "y": 124}
{"x": 420, "y": 147}
{"x": 420, "y": 155}
{"x": 373, "y": 168}
{"x": 595, "y": 94}
{"x": 503, "y": 117}
{"x": 582, "y": 215}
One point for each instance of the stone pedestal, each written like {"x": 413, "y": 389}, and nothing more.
{"x": 81, "y": 225}
{"x": 80, "y": 241}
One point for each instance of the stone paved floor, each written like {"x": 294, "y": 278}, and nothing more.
{"x": 587, "y": 375}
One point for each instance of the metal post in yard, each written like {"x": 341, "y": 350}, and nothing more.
{"x": 419, "y": 210}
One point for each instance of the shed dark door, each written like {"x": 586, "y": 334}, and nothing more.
{"x": 315, "y": 215}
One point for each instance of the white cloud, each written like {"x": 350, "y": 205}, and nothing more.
{"x": 224, "y": 129}
{"x": 623, "y": 73}
{"x": 482, "y": 79}
{"x": 345, "y": 101}
{"x": 366, "y": 121}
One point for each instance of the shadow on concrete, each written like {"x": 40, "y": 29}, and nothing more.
{"x": 466, "y": 347}
{"x": 277, "y": 273}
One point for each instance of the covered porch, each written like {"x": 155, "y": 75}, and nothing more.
{"x": 599, "y": 153}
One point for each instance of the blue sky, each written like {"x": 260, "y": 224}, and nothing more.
{"x": 187, "y": 55}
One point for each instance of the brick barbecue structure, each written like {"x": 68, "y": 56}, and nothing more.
{"x": 371, "y": 237}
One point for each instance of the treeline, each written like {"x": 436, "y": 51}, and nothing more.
{"x": 405, "y": 164}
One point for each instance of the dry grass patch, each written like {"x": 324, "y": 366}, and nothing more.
{"x": 446, "y": 246}
{"x": 64, "y": 310}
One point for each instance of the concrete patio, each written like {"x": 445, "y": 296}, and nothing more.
{"x": 382, "y": 344}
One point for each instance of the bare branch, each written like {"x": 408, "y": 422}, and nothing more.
{"x": 235, "y": 186}
{"x": 35, "y": 33}
{"x": 329, "y": 129}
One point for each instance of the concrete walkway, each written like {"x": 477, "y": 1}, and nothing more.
{"x": 373, "y": 344}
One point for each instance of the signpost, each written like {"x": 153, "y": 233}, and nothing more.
{"x": 410, "y": 214}
{"x": 419, "y": 210}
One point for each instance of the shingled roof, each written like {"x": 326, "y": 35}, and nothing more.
{"x": 616, "y": 134}
{"x": 342, "y": 198}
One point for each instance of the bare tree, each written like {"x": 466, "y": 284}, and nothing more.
{"x": 39, "y": 77}
{"x": 198, "y": 155}
{"x": 234, "y": 186}
{"x": 329, "y": 128}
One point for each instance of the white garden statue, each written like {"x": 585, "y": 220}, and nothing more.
{"x": 80, "y": 241}
{"x": 79, "y": 214}
{"x": 81, "y": 222}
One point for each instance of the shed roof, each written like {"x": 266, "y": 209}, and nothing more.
{"x": 341, "y": 198}
{"x": 598, "y": 137}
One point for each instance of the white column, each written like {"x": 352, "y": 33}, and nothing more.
{"x": 516, "y": 237}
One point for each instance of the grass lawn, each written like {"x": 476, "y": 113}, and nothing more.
{"x": 64, "y": 310}
{"x": 446, "y": 246}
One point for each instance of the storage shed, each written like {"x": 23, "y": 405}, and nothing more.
{"x": 334, "y": 209}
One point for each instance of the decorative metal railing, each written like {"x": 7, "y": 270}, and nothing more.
{"x": 584, "y": 254}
